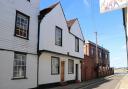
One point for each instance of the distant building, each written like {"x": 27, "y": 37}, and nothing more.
{"x": 90, "y": 69}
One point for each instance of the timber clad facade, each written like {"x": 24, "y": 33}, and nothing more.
{"x": 38, "y": 47}
{"x": 18, "y": 44}
{"x": 41, "y": 48}
{"x": 60, "y": 53}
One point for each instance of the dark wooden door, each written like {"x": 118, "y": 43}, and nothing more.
{"x": 77, "y": 72}
{"x": 62, "y": 70}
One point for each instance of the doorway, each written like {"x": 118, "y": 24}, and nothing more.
{"x": 62, "y": 70}
{"x": 77, "y": 71}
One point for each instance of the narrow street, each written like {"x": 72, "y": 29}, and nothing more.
{"x": 110, "y": 82}
{"x": 107, "y": 83}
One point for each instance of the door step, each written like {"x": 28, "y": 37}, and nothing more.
{"x": 63, "y": 83}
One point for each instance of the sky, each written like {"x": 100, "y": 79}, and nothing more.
{"x": 109, "y": 26}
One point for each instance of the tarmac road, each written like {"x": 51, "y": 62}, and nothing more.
{"x": 107, "y": 83}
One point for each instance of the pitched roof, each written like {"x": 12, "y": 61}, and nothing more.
{"x": 90, "y": 42}
{"x": 70, "y": 23}
{"x": 47, "y": 10}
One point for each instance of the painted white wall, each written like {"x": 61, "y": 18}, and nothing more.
{"x": 6, "y": 72}
{"x": 76, "y": 30}
{"x": 71, "y": 47}
{"x": 47, "y": 31}
{"x": 7, "y": 25}
{"x": 10, "y": 42}
{"x": 47, "y": 34}
{"x": 45, "y": 69}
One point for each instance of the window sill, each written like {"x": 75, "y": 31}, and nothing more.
{"x": 55, "y": 74}
{"x": 70, "y": 73}
{"x": 21, "y": 37}
{"x": 58, "y": 45}
{"x": 77, "y": 51}
{"x": 19, "y": 78}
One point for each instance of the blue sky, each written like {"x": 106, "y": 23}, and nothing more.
{"x": 108, "y": 25}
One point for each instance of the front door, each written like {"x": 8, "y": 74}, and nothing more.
{"x": 77, "y": 72}
{"x": 62, "y": 70}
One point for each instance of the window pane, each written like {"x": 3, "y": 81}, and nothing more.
{"x": 22, "y": 24}
{"x": 55, "y": 66}
{"x": 58, "y": 36}
{"x": 76, "y": 44}
{"x": 19, "y": 69}
{"x": 16, "y": 69}
{"x": 15, "y": 74}
{"x": 70, "y": 66}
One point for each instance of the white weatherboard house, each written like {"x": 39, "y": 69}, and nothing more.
{"x": 18, "y": 43}
{"x": 61, "y": 47}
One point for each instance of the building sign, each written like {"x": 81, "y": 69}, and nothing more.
{"x": 108, "y": 5}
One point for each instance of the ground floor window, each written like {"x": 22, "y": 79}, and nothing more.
{"x": 70, "y": 66}
{"x": 55, "y": 65}
{"x": 19, "y": 67}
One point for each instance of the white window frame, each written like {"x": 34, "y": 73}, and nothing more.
{"x": 58, "y": 36}
{"x": 70, "y": 66}
{"x": 22, "y": 25}
{"x": 19, "y": 66}
{"x": 76, "y": 44}
{"x": 55, "y": 65}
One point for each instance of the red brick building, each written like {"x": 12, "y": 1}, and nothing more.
{"x": 92, "y": 69}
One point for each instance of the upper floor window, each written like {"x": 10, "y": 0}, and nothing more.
{"x": 76, "y": 44}
{"x": 58, "y": 36}
{"x": 19, "y": 67}
{"x": 106, "y": 56}
{"x": 100, "y": 54}
{"x": 21, "y": 25}
{"x": 92, "y": 51}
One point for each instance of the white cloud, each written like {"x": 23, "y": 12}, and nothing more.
{"x": 86, "y": 3}
{"x": 123, "y": 47}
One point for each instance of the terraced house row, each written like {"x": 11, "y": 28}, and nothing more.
{"x": 41, "y": 48}
{"x": 38, "y": 48}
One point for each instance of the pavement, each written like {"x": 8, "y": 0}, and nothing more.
{"x": 82, "y": 84}
{"x": 123, "y": 83}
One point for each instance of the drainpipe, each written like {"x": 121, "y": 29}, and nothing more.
{"x": 38, "y": 52}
